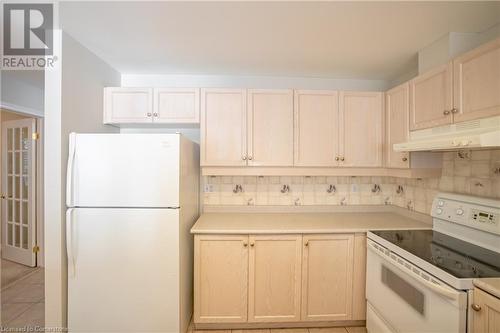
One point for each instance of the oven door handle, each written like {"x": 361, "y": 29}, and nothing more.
{"x": 434, "y": 287}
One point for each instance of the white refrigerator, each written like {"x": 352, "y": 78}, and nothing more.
{"x": 132, "y": 199}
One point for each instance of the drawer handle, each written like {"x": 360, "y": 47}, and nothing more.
{"x": 476, "y": 307}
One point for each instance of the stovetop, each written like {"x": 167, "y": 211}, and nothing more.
{"x": 458, "y": 258}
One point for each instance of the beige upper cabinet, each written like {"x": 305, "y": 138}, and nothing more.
{"x": 223, "y": 132}
{"x": 397, "y": 121}
{"x": 361, "y": 135}
{"x": 431, "y": 98}
{"x": 274, "y": 278}
{"x": 176, "y": 105}
{"x": 270, "y": 127}
{"x": 128, "y": 105}
{"x": 316, "y": 134}
{"x": 477, "y": 83}
{"x": 486, "y": 312}
{"x": 220, "y": 278}
{"x": 327, "y": 277}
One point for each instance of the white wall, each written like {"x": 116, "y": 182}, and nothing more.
{"x": 451, "y": 45}
{"x": 263, "y": 82}
{"x": 22, "y": 91}
{"x": 74, "y": 95}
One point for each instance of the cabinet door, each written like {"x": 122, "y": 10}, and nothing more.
{"x": 487, "y": 317}
{"x": 223, "y": 128}
{"x": 177, "y": 105}
{"x": 477, "y": 83}
{"x": 431, "y": 98}
{"x": 128, "y": 105}
{"x": 220, "y": 278}
{"x": 327, "y": 276}
{"x": 397, "y": 106}
{"x": 274, "y": 274}
{"x": 361, "y": 123}
{"x": 316, "y": 136}
{"x": 270, "y": 127}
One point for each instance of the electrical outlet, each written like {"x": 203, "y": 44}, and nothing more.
{"x": 354, "y": 188}
{"x": 209, "y": 188}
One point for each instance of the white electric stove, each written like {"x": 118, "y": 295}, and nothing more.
{"x": 420, "y": 280}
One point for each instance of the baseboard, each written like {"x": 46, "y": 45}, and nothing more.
{"x": 301, "y": 324}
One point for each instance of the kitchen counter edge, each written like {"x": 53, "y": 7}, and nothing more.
{"x": 304, "y": 223}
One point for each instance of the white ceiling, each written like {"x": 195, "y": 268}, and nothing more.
{"x": 368, "y": 40}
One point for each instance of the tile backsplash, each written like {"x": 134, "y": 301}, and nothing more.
{"x": 476, "y": 173}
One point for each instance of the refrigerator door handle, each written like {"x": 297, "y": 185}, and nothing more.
{"x": 69, "y": 243}
{"x": 69, "y": 171}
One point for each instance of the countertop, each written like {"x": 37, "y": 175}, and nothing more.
{"x": 303, "y": 223}
{"x": 490, "y": 285}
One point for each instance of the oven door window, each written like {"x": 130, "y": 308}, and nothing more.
{"x": 408, "y": 293}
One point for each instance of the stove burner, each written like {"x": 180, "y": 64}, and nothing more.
{"x": 459, "y": 258}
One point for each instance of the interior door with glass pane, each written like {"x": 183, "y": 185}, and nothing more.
{"x": 18, "y": 191}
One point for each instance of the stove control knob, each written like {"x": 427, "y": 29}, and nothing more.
{"x": 460, "y": 212}
{"x": 440, "y": 203}
{"x": 439, "y": 211}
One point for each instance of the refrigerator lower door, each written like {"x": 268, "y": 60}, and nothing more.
{"x": 123, "y": 270}
{"x": 123, "y": 170}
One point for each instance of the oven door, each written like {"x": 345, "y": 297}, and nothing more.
{"x": 405, "y": 299}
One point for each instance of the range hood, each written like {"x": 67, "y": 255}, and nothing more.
{"x": 474, "y": 134}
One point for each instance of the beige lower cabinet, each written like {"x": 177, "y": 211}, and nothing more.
{"x": 486, "y": 312}
{"x": 220, "y": 278}
{"x": 274, "y": 278}
{"x": 279, "y": 278}
{"x": 327, "y": 271}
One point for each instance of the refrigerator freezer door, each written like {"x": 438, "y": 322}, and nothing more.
{"x": 123, "y": 170}
{"x": 123, "y": 270}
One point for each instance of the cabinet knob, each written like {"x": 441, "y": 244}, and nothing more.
{"x": 337, "y": 158}
{"x": 476, "y": 307}
{"x": 405, "y": 159}
{"x": 245, "y": 244}
{"x": 454, "y": 110}
{"x": 250, "y": 157}
{"x": 446, "y": 112}
{"x": 243, "y": 158}
{"x": 306, "y": 244}
{"x": 155, "y": 114}
{"x": 342, "y": 158}
{"x": 149, "y": 114}
{"x": 252, "y": 244}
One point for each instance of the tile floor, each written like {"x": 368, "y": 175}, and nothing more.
{"x": 293, "y": 330}
{"x": 23, "y": 300}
